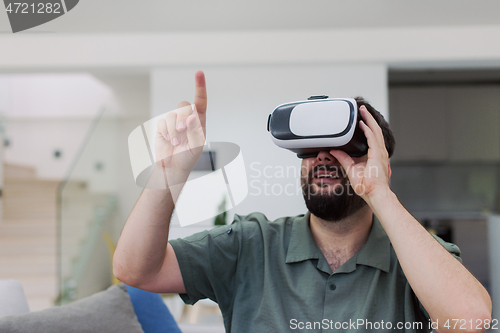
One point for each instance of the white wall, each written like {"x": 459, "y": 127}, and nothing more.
{"x": 240, "y": 98}
{"x": 34, "y": 140}
{"x": 47, "y": 112}
{"x": 71, "y": 95}
{"x": 132, "y": 92}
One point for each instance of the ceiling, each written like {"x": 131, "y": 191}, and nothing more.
{"x": 160, "y": 16}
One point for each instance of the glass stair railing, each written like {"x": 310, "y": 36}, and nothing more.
{"x": 87, "y": 210}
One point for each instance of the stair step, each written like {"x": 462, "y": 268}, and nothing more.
{"x": 23, "y": 216}
{"x": 12, "y": 192}
{"x": 31, "y": 198}
{"x": 18, "y": 214}
{"x": 20, "y": 230}
{"x": 22, "y": 258}
{"x": 18, "y": 171}
{"x": 11, "y": 249}
{"x": 31, "y": 181}
{"x": 33, "y": 269}
{"x": 28, "y": 240}
{"x": 20, "y": 272}
{"x": 40, "y": 221}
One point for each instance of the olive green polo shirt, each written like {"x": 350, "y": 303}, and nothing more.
{"x": 272, "y": 277}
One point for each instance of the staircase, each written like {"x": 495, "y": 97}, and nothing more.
{"x": 28, "y": 234}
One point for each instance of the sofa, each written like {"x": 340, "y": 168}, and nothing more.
{"x": 120, "y": 308}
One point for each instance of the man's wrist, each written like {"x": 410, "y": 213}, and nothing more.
{"x": 388, "y": 209}
{"x": 162, "y": 178}
{"x": 379, "y": 199}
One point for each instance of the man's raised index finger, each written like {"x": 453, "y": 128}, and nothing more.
{"x": 200, "y": 97}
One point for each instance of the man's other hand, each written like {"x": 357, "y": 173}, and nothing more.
{"x": 370, "y": 175}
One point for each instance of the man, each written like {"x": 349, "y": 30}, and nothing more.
{"x": 335, "y": 268}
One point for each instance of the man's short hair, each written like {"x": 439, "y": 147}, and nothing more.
{"x": 390, "y": 143}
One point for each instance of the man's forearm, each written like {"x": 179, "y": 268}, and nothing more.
{"x": 142, "y": 246}
{"x": 142, "y": 249}
{"x": 446, "y": 289}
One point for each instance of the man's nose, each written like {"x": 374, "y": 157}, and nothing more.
{"x": 325, "y": 157}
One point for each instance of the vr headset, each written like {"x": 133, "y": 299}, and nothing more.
{"x": 319, "y": 123}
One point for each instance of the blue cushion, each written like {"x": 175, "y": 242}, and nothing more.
{"x": 152, "y": 312}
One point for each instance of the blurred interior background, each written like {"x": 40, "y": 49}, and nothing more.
{"x": 73, "y": 89}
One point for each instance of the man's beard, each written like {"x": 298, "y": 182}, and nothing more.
{"x": 330, "y": 203}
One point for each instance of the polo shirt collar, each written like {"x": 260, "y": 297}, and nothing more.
{"x": 376, "y": 252}
{"x": 302, "y": 246}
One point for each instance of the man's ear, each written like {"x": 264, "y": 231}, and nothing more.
{"x": 390, "y": 171}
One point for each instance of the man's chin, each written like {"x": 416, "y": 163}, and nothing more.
{"x": 332, "y": 203}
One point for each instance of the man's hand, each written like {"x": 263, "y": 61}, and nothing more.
{"x": 180, "y": 136}
{"x": 369, "y": 175}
